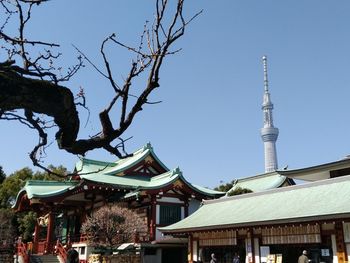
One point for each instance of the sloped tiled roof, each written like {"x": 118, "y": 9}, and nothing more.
{"x": 326, "y": 199}
{"x": 107, "y": 173}
{"x": 44, "y": 189}
{"x": 260, "y": 182}
{"x": 35, "y": 188}
{"x": 86, "y": 166}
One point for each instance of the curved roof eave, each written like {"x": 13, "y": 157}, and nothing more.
{"x": 156, "y": 182}
{"x": 260, "y": 183}
{"x": 28, "y": 189}
{"x": 18, "y": 197}
{"x": 203, "y": 190}
{"x": 198, "y": 189}
{"x": 135, "y": 183}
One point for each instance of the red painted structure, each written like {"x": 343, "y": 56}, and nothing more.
{"x": 141, "y": 182}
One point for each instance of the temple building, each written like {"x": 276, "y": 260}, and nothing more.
{"x": 276, "y": 225}
{"x": 141, "y": 182}
{"x": 279, "y": 219}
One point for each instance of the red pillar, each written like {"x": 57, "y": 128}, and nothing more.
{"x": 49, "y": 236}
{"x": 153, "y": 218}
{"x": 36, "y": 237}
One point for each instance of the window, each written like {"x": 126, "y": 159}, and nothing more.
{"x": 169, "y": 214}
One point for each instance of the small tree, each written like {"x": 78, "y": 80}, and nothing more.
{"x": 7, "y": 230}
{"x": 239, "y": 191}
{"x": 11, "y": 185}
{"x": 110, "y": 226}
{"x": 225, "y": 187}
{"x": 24, "y": 222}
{"x": 2, "y": 175}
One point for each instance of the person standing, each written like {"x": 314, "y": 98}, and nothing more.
{"x": 213, "y": 258}
{"x": 72, "y": 256}
{"x": 235, "y": 258}
{"x": 303, "y": 258}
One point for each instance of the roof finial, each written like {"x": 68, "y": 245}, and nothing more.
{"x": 266, "y": 82}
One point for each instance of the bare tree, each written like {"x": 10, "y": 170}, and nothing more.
{"x": 32, "y": 90}
{"x": 110, "y": 226}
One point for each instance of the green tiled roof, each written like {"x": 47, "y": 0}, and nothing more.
{"x": 206, "y": 190}
{"x": 85, "y": 166}
{"x": 36, "y": 188}
{"x": 90, "y": 166}
{"x": 42, "y": 189}
{"x": 326, "y": 199}
{"x": 133, "y": 182}
{"x": 260, "y": 182}
{"x": 143, "y": 182}
{"x": 108, "y": 173}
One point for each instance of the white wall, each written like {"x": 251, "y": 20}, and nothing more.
{"x": 195, "y": 250}
{"x": 256, "y": 250}
{"x": 248, "y": 250}
{"x": 78, "y": 247}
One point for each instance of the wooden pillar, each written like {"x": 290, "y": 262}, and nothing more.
{"x": 250, "y": 257}
{"x": 340, "y": 244}
{"x": 190, "y": 249}
{"x": 36, "y": 237}
{"x": 49, "y": 235}
{"x": 252, "y": 244}
{"x": 153, "y": 218}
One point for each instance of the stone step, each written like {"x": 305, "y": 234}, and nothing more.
{"x": 44, "y": 259}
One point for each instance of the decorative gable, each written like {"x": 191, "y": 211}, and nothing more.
{"x": 147, "y": 167}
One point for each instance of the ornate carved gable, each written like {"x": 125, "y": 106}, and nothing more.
{"x": 147, "y": 167}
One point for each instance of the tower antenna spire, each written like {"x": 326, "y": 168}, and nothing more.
{"x": 269, "y": 133}
{"x": 266, "y": 81}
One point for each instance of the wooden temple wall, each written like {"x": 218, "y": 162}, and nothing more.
{"x": 307, "y": 236}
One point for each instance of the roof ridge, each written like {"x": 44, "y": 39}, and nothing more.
{"x": 38, "y": 182}
{"x": 93, "y": 161}
{"x": 170, "y": 173}
{"x": 263, "y": 175}
{"x": 320, "y": 166}
{"x": 147, "y": 146}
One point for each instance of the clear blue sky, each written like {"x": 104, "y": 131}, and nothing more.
{"x": 210, "y": 118}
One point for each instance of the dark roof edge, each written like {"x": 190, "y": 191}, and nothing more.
{"x": 300, "y": 170}
{"x": 324, "y": 166}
